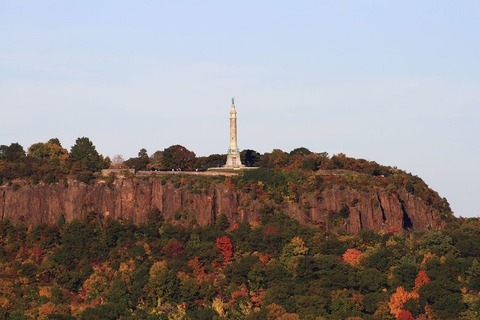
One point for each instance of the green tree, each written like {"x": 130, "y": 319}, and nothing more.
{"x": 139, "y": 163}
{"x": 372, "y": 280}
{"x": 438, "y": 243}
{"x": 404, "y": 275}
{"x": 301, "y": 151}
{"x": 212, "y": 161}
{"x": 84, "y": 153}
{"x": 332, "y": 273}
{"x": 250, "y": 158}
{"x": 444, "y": 298}
{"x": 107, "y": 311}
{"x": 203, "y": 314}
{"x": 163, "y": 283}
{"x": 13, "y": 152}
{"x": 380, "y": 259}
{"x": 473, "y": 276}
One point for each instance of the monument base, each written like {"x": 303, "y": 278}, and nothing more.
{"x": 233, "y": 161}
{"x": 227, "y": 169}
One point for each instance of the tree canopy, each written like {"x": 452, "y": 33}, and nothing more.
{"x": 98, "y": 268}
{"x": 178, "y": 157}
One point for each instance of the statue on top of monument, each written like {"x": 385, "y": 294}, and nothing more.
{"x": 233, "y": 100}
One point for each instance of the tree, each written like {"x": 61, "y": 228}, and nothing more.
{"x": 156, "y": 161}
{"x": 222, "y": 222}
{"x": 438, "y": 243}
{"x": 413, "y": 306}
{"x": 405, "y": 315}
{"x": 139, "y": 163}
{"x": 156, "y": 283}
{"x": 276, "y": 311}
{"x": 293, "y": 252}
{"x": 12, "y": 153}
{"x": 301, "y": 151}
{"x": 250, "y": 158}
{"x": 238, "y": 271}
{"x": 372, "y": 281}
{"x": 352, "y": 256}
{"x": 212, "y": 161}
{"x": 178, "y": 157}
{"x": 444, "y": 298}
{"x": 398, "y": 299}
{"x": 339, "y": 161}
{"x": 311, "y": 162}
{"x": 52, "y": 150}
{"x": 380, "y": 258}
{"x": 173, "y": 248}
{"x": 332, "y": 273}
{"x": 276, "y": 159}
{"x": 225, "y": 246}
{"x": 85, "y": 153}
{"x": 101, "y": 312}
{"x": 404, "y": 275}
{"x": 82, "y": 149}
{"x": 473, "y": 276}
{"x": 421, "y": 279}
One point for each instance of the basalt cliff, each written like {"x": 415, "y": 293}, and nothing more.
{"x": 202, "y": 200}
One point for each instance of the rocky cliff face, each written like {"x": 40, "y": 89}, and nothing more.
{"x": 132, "y": 199}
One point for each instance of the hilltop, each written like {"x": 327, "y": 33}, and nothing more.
{"x": 48, "y": 183}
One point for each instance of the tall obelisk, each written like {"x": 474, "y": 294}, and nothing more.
{"x": 233, "y": 155}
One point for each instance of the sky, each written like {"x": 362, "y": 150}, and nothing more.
{"x": 396, "y": 82}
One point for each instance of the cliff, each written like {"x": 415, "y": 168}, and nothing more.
{"x": 335, "y": 206}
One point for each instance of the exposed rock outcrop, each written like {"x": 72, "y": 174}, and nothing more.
{"x": 132, "y": 199}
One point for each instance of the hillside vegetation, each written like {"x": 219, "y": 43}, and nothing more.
{"x": 110, "y": 269}
{"x": 168, "y": 265}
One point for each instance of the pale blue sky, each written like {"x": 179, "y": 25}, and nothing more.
{"x": 395, "y": 82}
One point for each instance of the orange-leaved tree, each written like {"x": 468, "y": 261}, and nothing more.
{"x": 352, "y": 256}
{"x": 422, "y": 278}
{"x": 398, "y": 299}
{"x": 197, "y": 268}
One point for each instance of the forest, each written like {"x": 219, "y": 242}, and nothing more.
{"x": 101, "y": 268}
{"x": 108, "y": 269}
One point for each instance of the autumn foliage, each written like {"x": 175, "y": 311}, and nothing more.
{"x": 405, "y": 315}
{"x": 127, "y": 271}
{"x": 352, "y": 256}
{"x": 422, "y": 278}
{"x": 198, "y": 269}
{"x": 224, "y": 244}
{"x": 173, "y": 248}
{"x": 398, "y": 299}
{"x": 400, "y": 296}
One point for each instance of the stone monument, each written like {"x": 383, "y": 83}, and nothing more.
{"x": 233, "y": 155}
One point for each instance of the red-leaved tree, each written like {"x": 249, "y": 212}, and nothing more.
{"x": 224, "y": 244}
{"x": 173, "y": 248}
{"x": 405, "y": 315}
